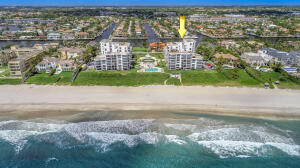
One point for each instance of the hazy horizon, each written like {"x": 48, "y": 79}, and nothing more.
{"x": 147, "y": 3}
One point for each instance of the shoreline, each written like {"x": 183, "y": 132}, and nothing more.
{"x": 46, "y": 101}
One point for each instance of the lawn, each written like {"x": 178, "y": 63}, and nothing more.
{"x": 138, "y": 56}
{"x": 9, "y": 81}
{"x": 119, "y": 78}
{"x": 283, "y": 84}
{"x": 157, "y": 55}
{"x": 6, "y": 71}
{"x": 138, "y": 49}
{"x": 173, "y": 81}
{"x": 63, "y": 78}
{"x": 202, "y": 77}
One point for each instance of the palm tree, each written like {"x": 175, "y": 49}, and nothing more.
{"x": 277, "y": 67}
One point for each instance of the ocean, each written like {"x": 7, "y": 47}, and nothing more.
{"x": 190, "y": 141}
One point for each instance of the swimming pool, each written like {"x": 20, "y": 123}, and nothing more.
{"x": 151, "y": 70}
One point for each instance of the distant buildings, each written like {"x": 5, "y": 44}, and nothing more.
{"x": 181, "y": 55}
{"x": 53, "y": 36}
{"x": 114, "y": 56}
{"x": 70, "y": 53}
{"x": 228, "y": 17}
{"x": 265, "y": 56}
{"x": 29, "y": 20}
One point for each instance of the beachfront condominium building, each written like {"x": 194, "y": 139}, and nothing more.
{"x": 182, "y": 56}
{"x": 19, "y": 65}
{"x": 114, "y": 56}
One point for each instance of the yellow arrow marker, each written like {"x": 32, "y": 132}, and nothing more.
{"x": 182, "y": 29}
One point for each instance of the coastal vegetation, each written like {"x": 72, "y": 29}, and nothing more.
{"x": 215, "y": 78}
{"x": 119, "y": 78}
{"x": 173, "y": 81}
{"x": 10, "y": 81}
{"x": 63, "y": 78}
{"x": 4, "y": 71}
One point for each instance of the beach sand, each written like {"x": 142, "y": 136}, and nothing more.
{"x": 105, "y": 102}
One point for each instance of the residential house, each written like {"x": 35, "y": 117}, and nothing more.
{"x": 82, "y": 35}
{"x": 53, "y": 36}
{"x": 66, "y": 65}
{"x": 47, "y": 64}
{"x": 69, "y": 53}
{"x": 254, "y": 59}
{"x": 279, "y": 56}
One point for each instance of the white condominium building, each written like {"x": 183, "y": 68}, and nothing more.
{"x": 114, "y": 56}
{"x": 181, "y": 55}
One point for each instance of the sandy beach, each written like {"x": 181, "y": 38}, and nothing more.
{"x": 29, "y": 101}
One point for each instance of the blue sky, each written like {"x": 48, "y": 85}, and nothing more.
{"x": 146, "y": 3}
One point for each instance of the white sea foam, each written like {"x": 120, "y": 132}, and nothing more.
{"x": 16, "y": 137}
{"x": 182, "y": 127}
{"x": 240, "y": 133}
{"x": 17, "y": 132}
{"x": 241, "y": 140}
{"x": 226, "y": 149}
{"x": 224, "y": 140}
{"x": 175, "y": 139}
{"x": 52, "y": 159}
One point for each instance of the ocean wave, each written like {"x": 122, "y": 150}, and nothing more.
{"x": 240, "y": 133}
{"x": 182, "y": 127}
{"x": 101, "y": 133}
{"x": 244, "y": 140}
{"x": 225, "y": 140}
{"x": 225, "y": 148}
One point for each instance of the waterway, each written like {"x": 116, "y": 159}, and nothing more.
{"x": 151, "y": 37}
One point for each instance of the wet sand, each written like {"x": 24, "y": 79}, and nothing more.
{"x": 103, "y": 102}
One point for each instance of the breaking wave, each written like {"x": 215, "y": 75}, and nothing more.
{"x": 224, "y": 140}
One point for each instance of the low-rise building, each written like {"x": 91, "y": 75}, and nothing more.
{"x": 265, "y": 56}
{"x": 19, "y": 65}
{"x": 82, "y": 35}
{"x": 66, "y": 65}
{"x": 254, "y": 59}
{"x": 6, "y": 56}
{"x": 69, "y": 53}
{"x": 47, "y": 64}
{"x": 280, "y": 56}
{"x": 53, "y": 36}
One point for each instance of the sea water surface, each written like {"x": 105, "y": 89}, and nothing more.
{"x": 201, "y": 141}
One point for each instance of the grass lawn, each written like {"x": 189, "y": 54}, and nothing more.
{"x": 202, "y": 77}
{"x": 138, "y": 56}
{"x": 6, "y": 71}
{"x": 63, "y": 78}
{"x": 119, "y": 78}
{"x": 173, "y": 81}
{"x": 288, "y": 85}
{"x": 9, "y": 81}
{"x": 274, "y": 76}
{"x": 157, "y": 55}
{"x": 138, "y": 49}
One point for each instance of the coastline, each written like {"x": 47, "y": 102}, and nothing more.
{"x": 34, "y": 101}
